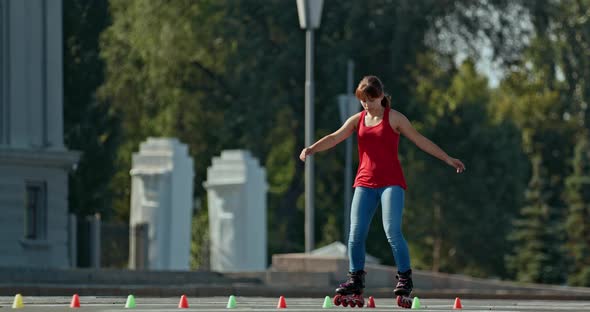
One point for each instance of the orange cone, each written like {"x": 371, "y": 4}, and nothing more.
{"x": 282, "y": 303}
{"x": 75, "y": 301}
{"x": 371, "y": 303}
{"x": 457, "y": 304}
{"x": 183, "y": 304}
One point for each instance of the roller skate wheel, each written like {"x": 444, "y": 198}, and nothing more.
{"x": 337, "y": 300}
{"x": 404, "y": 302}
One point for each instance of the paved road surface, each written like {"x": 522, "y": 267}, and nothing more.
{"x": 113, "y": 304}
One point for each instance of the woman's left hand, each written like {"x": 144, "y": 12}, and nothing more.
{"x": 456, "y": 163}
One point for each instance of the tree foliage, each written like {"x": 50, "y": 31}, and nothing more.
{"x": 578, "y": 217}
{"x": 89, "y": 126}
{"x": 539, "y": 253}
{"x": 545, "y": 94}
{"x": 227, "y": 74}
{"x": 456, "y": 116}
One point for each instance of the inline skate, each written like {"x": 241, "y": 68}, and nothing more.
{"x": 403, "y": 289}
{"x": 350, "y": 293}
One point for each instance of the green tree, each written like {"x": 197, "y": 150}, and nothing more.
{"x": 387, "y": 39}
{"x": 532, "y": 102}
{"x": 205, "y": 72}
{"x": 545, "y": 96}
{"x": 229, "y": 74}
{"x": 89, "y": 126}
{"x": 578, "y": 216}
{"x": 449, "y": 218}
{"x": 538, "y": 255}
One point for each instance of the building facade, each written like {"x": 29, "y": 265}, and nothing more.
{"x": 34, "y": 163}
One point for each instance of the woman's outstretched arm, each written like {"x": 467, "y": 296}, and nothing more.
{"x": 406, "y": 128}
{"x": 331, "y": 139}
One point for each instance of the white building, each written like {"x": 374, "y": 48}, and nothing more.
{"x": 34, "y": 163}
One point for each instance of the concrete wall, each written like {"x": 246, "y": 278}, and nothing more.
{"x": 304, "y": 270}
{"x": 15, "y": 250}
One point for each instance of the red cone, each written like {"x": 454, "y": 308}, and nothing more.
{"x": 183, "y": 304}
{"x": 75, "y": 301}
{"x": 282, "y": 303}
{"x": 371, "y": 303}
{"x": 457, "y": 304}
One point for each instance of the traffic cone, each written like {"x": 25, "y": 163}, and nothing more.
{"x": 18, "y": 302}
{"x": 130, "y": 302}
{"x": 75, "y": 301}
{"x": 371, "y": 303}
{"x": 282, "y": 303}
{"x": 231, "y": 303}
{"x": 457, "y": 304}
{"x": 416, "y": 303}
{"x": 183, "y": 304}
{"x": 327, "y": 303}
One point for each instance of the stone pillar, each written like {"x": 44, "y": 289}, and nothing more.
{"x": 236, "y": 192}
{"x": 31, "y": 75}
{"x": 34, "y": 164}
{"x": 162, "y": 197}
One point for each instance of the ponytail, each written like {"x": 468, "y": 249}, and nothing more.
{"x": 386, "y": 101}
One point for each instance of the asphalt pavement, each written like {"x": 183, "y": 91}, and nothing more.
{"x": 90, "y": 303}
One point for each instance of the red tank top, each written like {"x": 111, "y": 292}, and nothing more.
{"x": 379, "y": 165}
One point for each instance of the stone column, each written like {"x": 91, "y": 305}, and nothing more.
{"x": 236, "y": 192}
{"x": 162, "y": 198}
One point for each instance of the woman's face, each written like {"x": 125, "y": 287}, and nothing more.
{"x": 370, "y": 104}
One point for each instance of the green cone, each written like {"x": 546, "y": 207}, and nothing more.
{"x": 231, "y": 303}
{"x": 416, "y": 303}
{"x": 130, "y": 302}
{"x": 327, "y": 303}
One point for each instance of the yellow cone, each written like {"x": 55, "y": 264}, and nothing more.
{"x": 18, "y": 302}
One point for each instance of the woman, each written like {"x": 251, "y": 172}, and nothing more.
{"x": 379, "y": 178}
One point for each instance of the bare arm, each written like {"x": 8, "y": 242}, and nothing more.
{"x": 331, "y": 139}
{"x": 405, "y": 127}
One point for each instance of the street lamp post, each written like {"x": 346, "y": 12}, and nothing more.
{"x": 347, "y": 104}
{"x": 310, "y": 12}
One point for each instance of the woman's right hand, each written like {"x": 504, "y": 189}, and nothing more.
{"x": 304, "y": 153}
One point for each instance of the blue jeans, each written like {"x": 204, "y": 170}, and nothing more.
{"x": 364, "y": 205}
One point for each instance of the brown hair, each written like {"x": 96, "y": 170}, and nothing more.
{"x": 371, "y": 87}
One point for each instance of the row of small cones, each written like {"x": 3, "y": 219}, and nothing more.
{"x": 75, "y": 303}
{"x": 416, "y": 304}
{"x": 130, "y": 303}
{"x": 231, "y": 303}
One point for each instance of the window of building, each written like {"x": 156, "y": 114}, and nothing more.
{"x": 36, "y": 211}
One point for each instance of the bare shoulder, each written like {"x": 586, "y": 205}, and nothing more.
{"x": 354, "y": 119}
{"x": 396, "y": 115}
{"x": 356, "y": 116}
{"x": 397, "y": 120}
